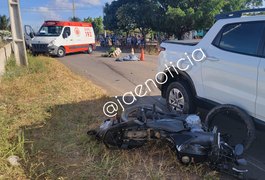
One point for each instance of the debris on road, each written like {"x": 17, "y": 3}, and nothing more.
{"x": 113, "y": 52}
{"x": 128, "y": 58}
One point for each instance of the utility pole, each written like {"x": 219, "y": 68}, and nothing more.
{"x": 74, "y": 9}
{"x": 19, "y": 46}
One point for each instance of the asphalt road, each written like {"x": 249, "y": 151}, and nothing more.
{"x": 118, "y": 78}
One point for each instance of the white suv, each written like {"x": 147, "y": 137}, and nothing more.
{"x": 231, "y": 71}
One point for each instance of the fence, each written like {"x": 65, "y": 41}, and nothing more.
{"x": 5, "y": 53}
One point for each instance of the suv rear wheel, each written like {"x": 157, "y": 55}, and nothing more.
{"x": 179, "y": 98}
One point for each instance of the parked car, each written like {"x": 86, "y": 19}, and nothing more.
{"x": 60, "y": 38}
{"x": 231, "y": 77}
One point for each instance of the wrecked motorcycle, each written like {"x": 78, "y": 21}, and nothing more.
{"x": 185, "y": 134}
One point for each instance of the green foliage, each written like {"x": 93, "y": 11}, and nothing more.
{"x": 233, "y": 5}
{"x": 111, "y": 50}
{"x": 14, "y": 71}
{"x": 138, "y": 14}
{"x": 4, "y": 22}
{"x": 110, "y": 20}
{"x": 75, "y": 19}
{"x": 5, "y": 33}
{"x": 36, "y": 65}
{"x": 184, "y": 16}
{"x": 169, "y": 16}
{"x": 127, "y": 15}
{"x": 11, "y": 63}
{"x": 97, "y": 24}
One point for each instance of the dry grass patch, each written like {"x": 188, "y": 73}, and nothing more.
{"x": 45, "y": 112}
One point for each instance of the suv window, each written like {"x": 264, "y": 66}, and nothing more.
{"x": 241, "y": 37}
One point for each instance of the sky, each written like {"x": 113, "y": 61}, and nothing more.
{"x": 35, "y": 12}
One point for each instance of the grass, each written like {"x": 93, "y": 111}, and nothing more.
{"x": 45, "y": 112}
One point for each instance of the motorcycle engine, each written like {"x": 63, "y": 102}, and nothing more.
{"x": 194, "y": 123}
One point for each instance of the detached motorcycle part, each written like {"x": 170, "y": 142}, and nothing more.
{"x": 233, "y": 122}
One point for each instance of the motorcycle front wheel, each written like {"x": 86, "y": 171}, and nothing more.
{"x": 232, "y": 122}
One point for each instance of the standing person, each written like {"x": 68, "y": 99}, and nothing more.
{"x": 129, "y": 41}
{"x": 138, "y": 40}
{"x": 133, "y": 41}
{"x": 142, "y": 41}
{"x": 123, "y": 41}
{"x": 109, "y": 41}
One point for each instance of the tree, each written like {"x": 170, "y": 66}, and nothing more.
{"x": 185, "y": 15}
{"x": 97, "y": 24}
{"x": 128, "y": 15}
{"x": 4, "y": 23}
{"x": 110, "y": 20}
{"x": 170, "y": 16}
{"x": 74, "y": 19}
{"x": 233, "y": 5}
{"x": 137, "y": 14}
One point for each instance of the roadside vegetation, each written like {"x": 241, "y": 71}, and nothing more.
{"x": 45, "y": 112}
{"x": 2, "y": 44}
{"x": 169, "y": 17}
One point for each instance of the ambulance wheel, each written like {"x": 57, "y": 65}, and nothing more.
{"x": 61, "y": 52}
{"x": 90, "y": 49}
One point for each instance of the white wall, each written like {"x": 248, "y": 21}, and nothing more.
{"x": 5, "y": 53}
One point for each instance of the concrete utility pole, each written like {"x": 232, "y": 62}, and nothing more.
{"x": 17, "y": 33}
{"x": 73, "y": 9}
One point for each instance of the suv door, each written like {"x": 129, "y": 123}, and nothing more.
{"x": 231, "y": 68}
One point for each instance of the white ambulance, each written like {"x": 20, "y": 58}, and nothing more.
{"x": 60, "y": 38}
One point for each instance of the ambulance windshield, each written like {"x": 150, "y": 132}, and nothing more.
{"x": 50, "y": 31}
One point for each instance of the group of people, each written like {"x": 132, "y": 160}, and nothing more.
{"x": 114, "y": 40}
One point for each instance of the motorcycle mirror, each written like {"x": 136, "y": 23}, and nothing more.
{"x": 239, "y": 149}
